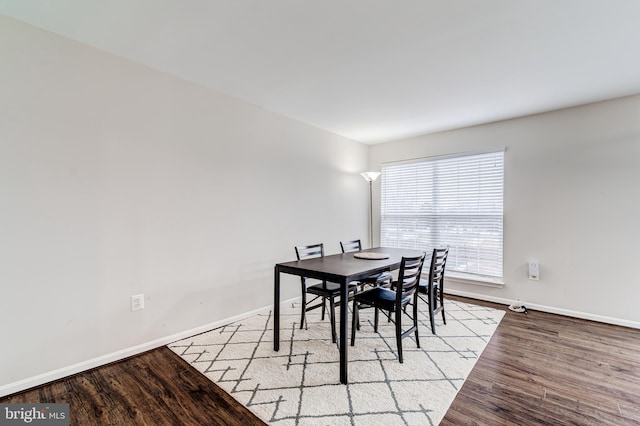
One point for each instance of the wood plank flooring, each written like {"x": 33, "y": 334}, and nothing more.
{"x": 154, "y": 388}
{"x": 542, "y": 368}
{"x": 537, "y": 369}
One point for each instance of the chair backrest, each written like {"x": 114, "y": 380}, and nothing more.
{"x": 350, "y": 246}
{"x": 409, "y": 276}
{"x": 438, "y": 262}
{"x": 309, "y": 252}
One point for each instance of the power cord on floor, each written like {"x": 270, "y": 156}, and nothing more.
{"x": 518, "y": 307}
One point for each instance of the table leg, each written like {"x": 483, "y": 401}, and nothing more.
{"x": 344, "y": 323}
{"x": 276, "y": 309}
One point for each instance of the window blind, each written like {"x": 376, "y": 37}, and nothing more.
{"x": 455, "y": 201}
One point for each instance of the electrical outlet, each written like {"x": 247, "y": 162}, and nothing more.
{"x": 137, "y": 302}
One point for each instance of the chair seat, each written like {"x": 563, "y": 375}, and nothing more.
{"x": 331, "y": 289}
{"x": 377, "y": 279}
{"x": 380, "y": 297}
{"x": 425, "y": 289}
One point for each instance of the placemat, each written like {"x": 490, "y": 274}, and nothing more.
{"x": 371, "y": 255}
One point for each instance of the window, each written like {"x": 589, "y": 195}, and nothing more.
{"x": 455, "y": 201}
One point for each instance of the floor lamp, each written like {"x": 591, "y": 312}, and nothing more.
{"x": 370, "y": 177}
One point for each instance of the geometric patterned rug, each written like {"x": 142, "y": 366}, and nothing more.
{"x": 299, "y": 385}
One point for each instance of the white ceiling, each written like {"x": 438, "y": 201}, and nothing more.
{"x": 371, "y": 70}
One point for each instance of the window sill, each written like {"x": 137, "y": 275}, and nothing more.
{"x": 466, "y": 279}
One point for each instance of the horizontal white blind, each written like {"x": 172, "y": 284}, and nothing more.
{"x": 454, "y": 201}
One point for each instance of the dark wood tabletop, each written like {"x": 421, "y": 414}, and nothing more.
{"x": 336, "y": 267}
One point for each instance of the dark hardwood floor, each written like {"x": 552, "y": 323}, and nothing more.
{"x": 154, "y": 388}
{"x": 549, "y": 369}
{"x": 537, "y": 369}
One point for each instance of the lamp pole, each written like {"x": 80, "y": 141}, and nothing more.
{"x": 370, "y": 214}
{"x": 370, "y": 177}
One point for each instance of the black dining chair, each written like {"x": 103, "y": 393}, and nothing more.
{"x": 433, "y": 288}
{"x": 326, "y": 291}
{"x": 393, "y": 302}
{"x": 374, "y": 280}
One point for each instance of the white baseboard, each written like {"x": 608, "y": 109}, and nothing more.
{"x": 60, "y": 373}
{"x": 549, "y": 309}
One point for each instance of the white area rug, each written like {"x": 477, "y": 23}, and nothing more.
{"x": 299, "y": 385}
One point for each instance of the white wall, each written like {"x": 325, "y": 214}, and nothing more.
{"x": 116, "y": 179}
{"x": 572, "y": 202}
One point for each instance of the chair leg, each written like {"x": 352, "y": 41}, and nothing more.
{"x": 355, "y": 322}
{"x": 415, "y": 319}
{"x": 431, "y": 308}
{"x": 324, "y": 305}
{"x": 375, "y": 320}
{"x": 441, "y": 294}
{"x": 304, "y": 307}
{"x": 332, "y": 313}
{"x": 355, "y": 293}
{"x": 399, "y": 334}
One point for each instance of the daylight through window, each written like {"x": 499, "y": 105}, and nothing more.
{"x": 455, "y": 201}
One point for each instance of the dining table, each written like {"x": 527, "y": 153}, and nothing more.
{"x": 343, "y": 269}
